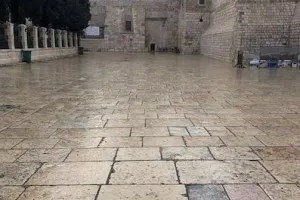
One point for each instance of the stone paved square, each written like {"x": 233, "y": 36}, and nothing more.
{"x": 204, "y": 192}
{"x": 44, "y": 155}
{"x": 121, "y": 142}
{"x": 78, "y": 143}
{"x": 233, "y": 153}
{"x": 10, "y": 155}
{"x": 282, "y": 191}
{"x": 139, "y": 126}
{"x": 138, "y": 154}
{"x": 93, "y": 154}
{"x": 16, "y": 173}
{"x": 10, "y": 192}
{"x": 145, "y": 192}
{"x": 220, "y": 172}
{"x": 186, "y": 153}
{"x": 153, "y": 173}
{"x": 285, "y": 171}
{"x": 71, "y": 173}
{"x": 82, "y": 192}
{"x": 246, "y": 192}
{"x": 163, "y": 142}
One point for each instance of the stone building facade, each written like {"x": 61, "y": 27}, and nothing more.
{"x": 217, "y": 28}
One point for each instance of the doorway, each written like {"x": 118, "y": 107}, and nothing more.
{"x": 152, "y": 47}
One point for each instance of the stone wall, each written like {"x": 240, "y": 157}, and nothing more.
{"x": 228, "y": 26}
{"x": 217, "y": 41}
{"x": 14, "y": 56}
{"x": 264, "y": 23}
{"x": 154, "y": 21}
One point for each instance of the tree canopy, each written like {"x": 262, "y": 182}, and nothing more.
{"x": 72, "y": 15}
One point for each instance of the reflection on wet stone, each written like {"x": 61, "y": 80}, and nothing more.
{"x": 159, "y": 127}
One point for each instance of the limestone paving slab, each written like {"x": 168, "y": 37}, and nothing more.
{"x": 142, "y": 192}
{"x": 138, "y": 154}
{"x": 205, "y": 192}
{"x": 37, "y": 144}
{"x": 82, "y": 192}
{"x": 168, "y": 122}
{"x": 44, "y": 155}
{"x": 178, "y": 131}
{"x": 91, "y": 133}
{"x": 242, "y": 141}
{"x": 9, "y": 143}
{"x": 220, "y": 122}
{"x": 246, "y": 192}
{"x": 291, "y": 140}
{"x": 186, "y": 153}
{"x": 121, "y": 142}
{"x": 285, "y": 171}
{"x": 89, "y": 155}
{"x": 153, "y": 173}
{"x": 270, "y": 122}
{"x": 233, "y": 153}
{"x": 277, "y": 153}
{"x": 279, "y": 131}
{"x": 71, "y": 173}
{"x": 221, "y": 172}
{"x": 282, "y": 191}
{"x": 218, "y": 131}
{"x": 10, "y": 192}
{"x": 246, "y": 131}
{"x": 26, "y": 133}
{"x": 16, "y": 173}
{"x": 125, "y": 123}
{"x": 163, "y": 142}
{"x": 150, "y": 131}
{"x": 78, "y": 143}
{"x": 197, "y": 131}
{"x": 78, "y": 123}
{"x": 10, "y": 155}
{"x": 203, "y": 141}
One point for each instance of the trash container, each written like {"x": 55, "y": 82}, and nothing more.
{"x": 26, "y": 56}
{"x": 80, "y": 50}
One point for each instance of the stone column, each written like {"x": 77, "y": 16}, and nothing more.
{"x": 43, "y": 36}
{"x": 70, "y": 35}
{"x": 23, "y": 36}
{"x": 35, "y": 37}
{"x": 52, "y": 37}
{"x": 10, "y": 35}
{"x": 75, "y": 40}
{"x": 58, "y": 36}
{"x": 65, "y": 38}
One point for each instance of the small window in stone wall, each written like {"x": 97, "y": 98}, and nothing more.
{"x": 201, "y": 2}
{"x": 128, "y": 26}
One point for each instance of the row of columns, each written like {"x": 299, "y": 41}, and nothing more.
{"x": 64, "y": 38}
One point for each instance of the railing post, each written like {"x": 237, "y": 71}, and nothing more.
{"x": 10, "y": 35}
{"x": 59, "y": 39}
{"x": 35, "y": 37}
{"x": 65, "y": 38}
{"x": 24, "y": 36}
{"x": 75, "y": 40}
{"x": 43, "y": 36}
{"x": 70, "y": 39}
{"x": 52, "y": 37}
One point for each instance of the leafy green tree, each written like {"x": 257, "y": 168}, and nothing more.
{"x": 76, "y": 15}
{"x": 4, "y": 10}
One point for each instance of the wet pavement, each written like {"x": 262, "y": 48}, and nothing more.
{"x": 122, "y": 126}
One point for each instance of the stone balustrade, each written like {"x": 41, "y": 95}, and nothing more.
{"x": 42, "y": 37}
